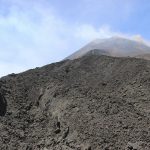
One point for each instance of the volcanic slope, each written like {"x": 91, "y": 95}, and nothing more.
{"x": 114, "y": 46}
{"x": 91, "y": 103}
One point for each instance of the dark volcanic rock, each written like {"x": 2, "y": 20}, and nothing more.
{"x": 3, "y": 105}
{"x": 94, "y": 103}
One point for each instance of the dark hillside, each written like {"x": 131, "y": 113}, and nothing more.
{"x": 91, "y": 103}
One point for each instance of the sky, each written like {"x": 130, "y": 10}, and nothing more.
{"x": 34, "y": 33}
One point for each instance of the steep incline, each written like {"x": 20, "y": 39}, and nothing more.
{"x": 92, "y": 103}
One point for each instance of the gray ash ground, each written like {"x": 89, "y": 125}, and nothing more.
{"x": 91, "y": 103}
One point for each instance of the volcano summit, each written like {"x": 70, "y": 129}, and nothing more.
{"x": 115, "y": 46}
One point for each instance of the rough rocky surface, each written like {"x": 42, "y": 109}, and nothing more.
{"x": 91, "y": 103}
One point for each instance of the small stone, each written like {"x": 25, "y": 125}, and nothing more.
{"x": 133, "y": 146}
{"x": 88, "y": 148}
{"x": 66, "y": 133}
{"x": 57, "y": 131}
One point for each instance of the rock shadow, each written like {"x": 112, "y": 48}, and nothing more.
{"x": 3, "y": 105}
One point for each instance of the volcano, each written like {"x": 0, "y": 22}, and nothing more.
{"x": 95, "y": 102}
{"x": 115, "y": 46}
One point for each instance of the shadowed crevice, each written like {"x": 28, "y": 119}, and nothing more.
{"x": 3, "y": 105}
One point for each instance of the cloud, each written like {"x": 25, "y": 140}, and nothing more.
{"x": 33, "y": 34}
{"x": 88, "y": 32}
{"x": 29, "y": 37}
{"x": 138, "y": 38}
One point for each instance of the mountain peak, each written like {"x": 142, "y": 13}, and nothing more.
{"x": 114, "y": 46}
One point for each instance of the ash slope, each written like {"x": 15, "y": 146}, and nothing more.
{"x": 115, "y": 46}
{"x": 95, "y": 102}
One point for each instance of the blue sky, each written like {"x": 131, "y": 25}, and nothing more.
{"x": 38, "y": 32}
